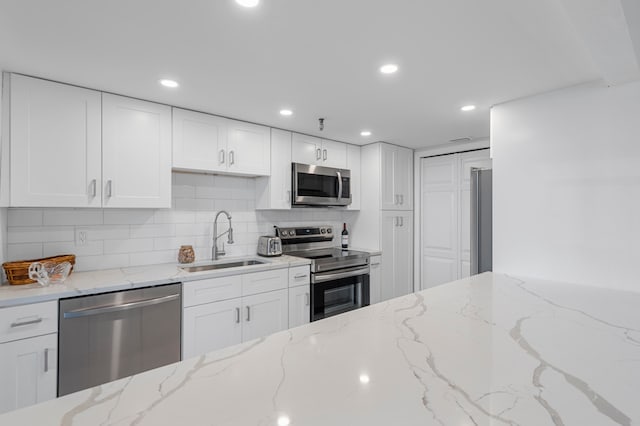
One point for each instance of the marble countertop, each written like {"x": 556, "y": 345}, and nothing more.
{"x": 486, "y": 350}
{"x": 92, "y": 282}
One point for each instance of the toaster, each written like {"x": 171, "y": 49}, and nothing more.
{"x": 269, "y": 246}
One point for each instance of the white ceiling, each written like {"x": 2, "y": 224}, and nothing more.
{"x": 319, "y": 58}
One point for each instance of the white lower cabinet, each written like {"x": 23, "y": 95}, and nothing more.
{"x": 374, "y": 279}
{"x": 299, "y": 305}
{"x": 397, "y": 260}
{"x": 220, "y": 312}
{"x": 28, "y": 371}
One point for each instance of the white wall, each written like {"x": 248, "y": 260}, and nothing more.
{"x": 131, "y": 237}
{"x": 567, "y": 186}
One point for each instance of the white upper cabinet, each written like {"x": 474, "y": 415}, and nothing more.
{"x": 136, "y": 153}
{"x": 199, "y": 141}
{"x": 205, "y": 142}
{"x": 353, "y": 164}
{"x": 397, "y": 178}
{"x": 248, "y": 148}
{"x": 55, "y": 144}
{"x": 320, "y": 152}
{"x": 274, "y": 192}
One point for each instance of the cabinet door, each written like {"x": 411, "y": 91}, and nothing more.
{"x": 55, "y": 139}
{"x": 299, "y": 305}
{"x": 199, "y": 141}
{"x": 136, "y": 153}
{"x": 334, "y": 154}
{"x": 248, "y": 148}
{"x": 389, "y": 222}
{"x": 212, "y": 326}
{"x": 353, "y": 164}
{"x": 264, "y": 314}
{"x": 403, "y": 255}
{"x": 388, "y": 161}
{"x": 28, "y": 371}
{"x": 306, "y": 149}
{"x": 403, "y": 178}
{"x": 374, "y": 280}
{"x": 274, "y": 192}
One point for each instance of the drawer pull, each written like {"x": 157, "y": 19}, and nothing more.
{"x": 26, "y": 322}
{"x": 300, "y": 276}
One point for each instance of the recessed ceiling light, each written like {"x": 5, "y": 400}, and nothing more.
{"x": 364, "y": 379}
{"x": 169, "y": 83}
{"x": 468, "y": 108}
{"x": 388, "y": 68}
{"x": 248, "y": 3}
{"x": 286, "y": 112}
{"x": 284, "y": 421}
{"x": 365, "y": 133}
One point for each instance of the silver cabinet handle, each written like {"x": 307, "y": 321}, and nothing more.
{"x": 306, "y": 297}
{"x": 288, "y": 196}
{"x": 26, "y": 322}
{"x": 85, "y": 312}
{"x": 46, "y": 360}
{"x": 93, "y": 185}
{"x": 109, "y": 188}
{"x": 237, "y": 315}
{"x": 397, "y": 200}
{"x": 324, "y": 154}
{"x": 300, "y": 276}
{"x": 248, "y": 313}
{"x": 221, "y": 156}
{"x": 401, "y": 199}
{"x": 231, "y": 158}
{"x": 395, "y": 221}
{"x": 401, "y": 221}
{"x": 318, "y": 153}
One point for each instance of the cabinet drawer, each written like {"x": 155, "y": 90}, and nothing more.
{"x": 211, "y": 290}
{"x": 299, "y": 275}
{"x": 259, "y": 282}
{"x": 20, "y": 322}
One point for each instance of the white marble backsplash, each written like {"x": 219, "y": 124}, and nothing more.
{"x": 133, "y": 237}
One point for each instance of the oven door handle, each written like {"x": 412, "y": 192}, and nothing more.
{"x": 322, "y": 278}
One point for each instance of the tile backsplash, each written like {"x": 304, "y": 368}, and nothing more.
{"x": 131, "y": 237}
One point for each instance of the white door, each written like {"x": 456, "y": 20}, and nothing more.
{"x": 28, "y": 371}
{"x": 199, "y": 141}
{"x": 374, "y": 280}
{"x": 55, "y": 144}
{"x": 248, "y": 148}
{"x": 299, "y": 305}
{"x": 403, "y": 254}
{"x": 467, "y": 161}
{"x": 403, "y": 181}
{"x": 136, "y": 153}
{"x": 439, "y": 220}
{"x": 264, "y": 314}
{"x": 211, "y": 326}
{"x": 306, "y": 149}
{"x": 388, "y": 160}
{"x": 353, "y": 164}
{"x": 334, "y": 154}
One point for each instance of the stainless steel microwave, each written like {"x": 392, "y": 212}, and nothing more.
{"x": 320, "y": 186}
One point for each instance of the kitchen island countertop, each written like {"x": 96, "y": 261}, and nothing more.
{"x": 486, "y": 350}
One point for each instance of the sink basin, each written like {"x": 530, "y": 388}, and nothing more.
{"x": 221, "y": 266}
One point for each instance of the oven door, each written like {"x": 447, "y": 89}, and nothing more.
{"x": 320, "y": 186}
{"x": 333, "y": 293}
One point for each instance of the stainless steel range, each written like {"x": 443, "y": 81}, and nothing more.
{"x": 339, "y": 278}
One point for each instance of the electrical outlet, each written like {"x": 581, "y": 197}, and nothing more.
{"x": 82, "y": 237}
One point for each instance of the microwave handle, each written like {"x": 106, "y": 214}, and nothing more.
{"x": 339, "y": 185}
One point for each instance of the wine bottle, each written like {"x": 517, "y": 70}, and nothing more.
{"x": 345, "y": 237}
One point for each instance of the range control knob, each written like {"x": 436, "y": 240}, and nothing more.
{"x": 284, "y": 233}
{"x": 323, "y": 231}
{"x": 328, "y": 230}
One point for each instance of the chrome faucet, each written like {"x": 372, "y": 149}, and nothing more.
{"x": 215, "y": 251}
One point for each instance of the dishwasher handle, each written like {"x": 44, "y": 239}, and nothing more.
{"x": 85, "y": 312}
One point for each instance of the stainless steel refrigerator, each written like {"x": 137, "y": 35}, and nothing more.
{"x": 481, "y": 221}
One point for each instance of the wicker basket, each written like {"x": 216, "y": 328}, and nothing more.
{"x": 18, "y": 271}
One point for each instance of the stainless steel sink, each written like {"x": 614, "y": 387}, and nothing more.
{"x": 221, "y": 266}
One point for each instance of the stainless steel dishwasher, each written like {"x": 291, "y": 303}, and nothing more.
{"x": 108, "y": 336}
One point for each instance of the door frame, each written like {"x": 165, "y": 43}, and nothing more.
{"x": 453, "y": 148}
